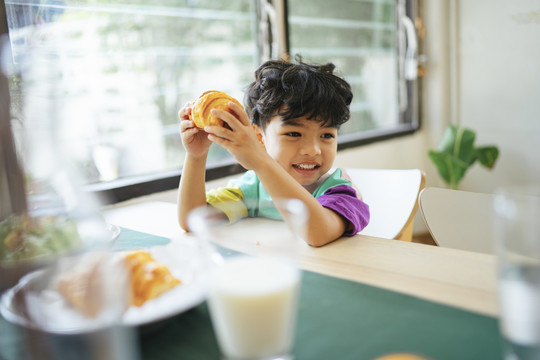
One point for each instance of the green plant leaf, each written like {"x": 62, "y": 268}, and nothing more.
{"x": 443, "y": 165}
{"x": 457, "y": 153}
{"x": 459, "y": 142}
{"x": 487, "y": 155}
{"x": 451, "y": 169}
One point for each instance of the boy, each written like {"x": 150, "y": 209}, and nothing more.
{"x": 288, "y": 148}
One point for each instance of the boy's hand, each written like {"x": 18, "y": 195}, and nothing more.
{"x": 195, "y": 140}
{"x": 240, "y": 139}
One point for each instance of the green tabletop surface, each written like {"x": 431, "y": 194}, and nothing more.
{"x": 337, "y": 319}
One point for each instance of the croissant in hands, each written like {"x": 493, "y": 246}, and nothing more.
{"x": 200, "y": 113}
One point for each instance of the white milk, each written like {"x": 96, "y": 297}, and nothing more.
{"x": 253, "y": 304}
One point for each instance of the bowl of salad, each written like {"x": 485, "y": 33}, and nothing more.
{"x": 28, "y": 243}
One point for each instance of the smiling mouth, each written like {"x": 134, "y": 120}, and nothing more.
{"x": 306, "y": 166}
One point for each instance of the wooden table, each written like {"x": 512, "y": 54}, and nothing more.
{"x": 381, "y": 296}
{"x": 461, "y": 279}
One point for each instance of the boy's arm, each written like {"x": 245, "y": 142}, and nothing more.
{"x": 323, "y": 225}
{"x": 192, "y": 189}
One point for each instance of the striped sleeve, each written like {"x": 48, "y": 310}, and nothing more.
{"x": 229, "y": 200}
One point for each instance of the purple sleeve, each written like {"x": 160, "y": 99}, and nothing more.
{"x": 342, "y": 199}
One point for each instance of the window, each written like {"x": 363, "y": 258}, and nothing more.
{"x": 362, "y": 39}
{"x": 126, "y": 66}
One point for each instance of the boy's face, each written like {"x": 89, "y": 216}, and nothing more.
{"x": 304, "y": 148}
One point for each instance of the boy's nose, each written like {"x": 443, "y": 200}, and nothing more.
{"x": 311, "y": 148}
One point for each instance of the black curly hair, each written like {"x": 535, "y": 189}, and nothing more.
{"x": 296, "y": 90}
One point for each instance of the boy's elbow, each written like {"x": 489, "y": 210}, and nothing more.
{"x": 316, "y": 243}
{"x": 184, "y": 227}
{"x": 183, "y": 224}
{"x": 318, "y": 239}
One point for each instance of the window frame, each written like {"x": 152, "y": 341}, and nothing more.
{"x": 276, "y": 41}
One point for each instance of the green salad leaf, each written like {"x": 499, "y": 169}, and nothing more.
{"x": 23, "y": 237}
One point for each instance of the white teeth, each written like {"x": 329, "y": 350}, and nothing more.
{"x": 306, "y": 167}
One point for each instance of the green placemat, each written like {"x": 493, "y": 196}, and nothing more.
{"x": 132, "y": 239}
{"x": 346, "y": 320}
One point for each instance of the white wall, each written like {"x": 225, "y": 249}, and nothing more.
{"x": 500, "y": 86}
{"x": 483, "y": 71}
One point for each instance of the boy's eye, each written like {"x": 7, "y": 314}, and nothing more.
{"x": 328, "y": 136}
{"x": 293, "y": 134}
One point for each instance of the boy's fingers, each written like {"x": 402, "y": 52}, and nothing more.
{"x": 239, "y": 112}
{"x": 186, "y": 124}
{"x": 217, "y": 131}
{"x": 191, "y": 132}
{"x": 227, "y": 117}
{"x": 184, "y": 112}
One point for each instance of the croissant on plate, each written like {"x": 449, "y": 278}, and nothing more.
{"x": 148, "y": 278}
{"x": 84, "y": 286}
{"x": 200, "y": 113}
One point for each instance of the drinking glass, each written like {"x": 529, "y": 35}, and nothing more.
{"x": 59, "y": 282}
{"x": 253, "y": 298}
{"x": 517, "y": 229}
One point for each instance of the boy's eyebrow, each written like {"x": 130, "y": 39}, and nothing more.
{"x": 294, "y": 122}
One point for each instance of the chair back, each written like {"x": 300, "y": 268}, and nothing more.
{"x": 392, "y": 196}
{"x": 458, "y": 219}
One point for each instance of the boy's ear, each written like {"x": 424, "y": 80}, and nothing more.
{"x": 259, "y": 133}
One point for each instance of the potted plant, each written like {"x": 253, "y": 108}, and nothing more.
{"x": 456, "y": 153}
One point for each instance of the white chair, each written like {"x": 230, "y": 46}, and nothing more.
{"x": 392, "y": 196}
{"x": 458, "y": 219}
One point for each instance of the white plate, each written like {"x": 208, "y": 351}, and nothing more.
{"x": 181, "y": 256}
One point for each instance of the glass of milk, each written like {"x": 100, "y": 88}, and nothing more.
{"x": 254, "y": 282}
{"x": 517, "y": 225}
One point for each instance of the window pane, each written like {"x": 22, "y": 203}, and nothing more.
{"x": 359, "y": 37}
{"x": 127, "y": 67}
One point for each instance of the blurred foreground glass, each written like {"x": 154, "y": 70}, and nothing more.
{"x": 62, "y": 284}
{"x": 54, "y": 217}
{"x": 253, "y": 299}
{"x": 517, "y": 227}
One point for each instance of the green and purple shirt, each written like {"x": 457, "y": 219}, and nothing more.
{"x": 335, "y": 193}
